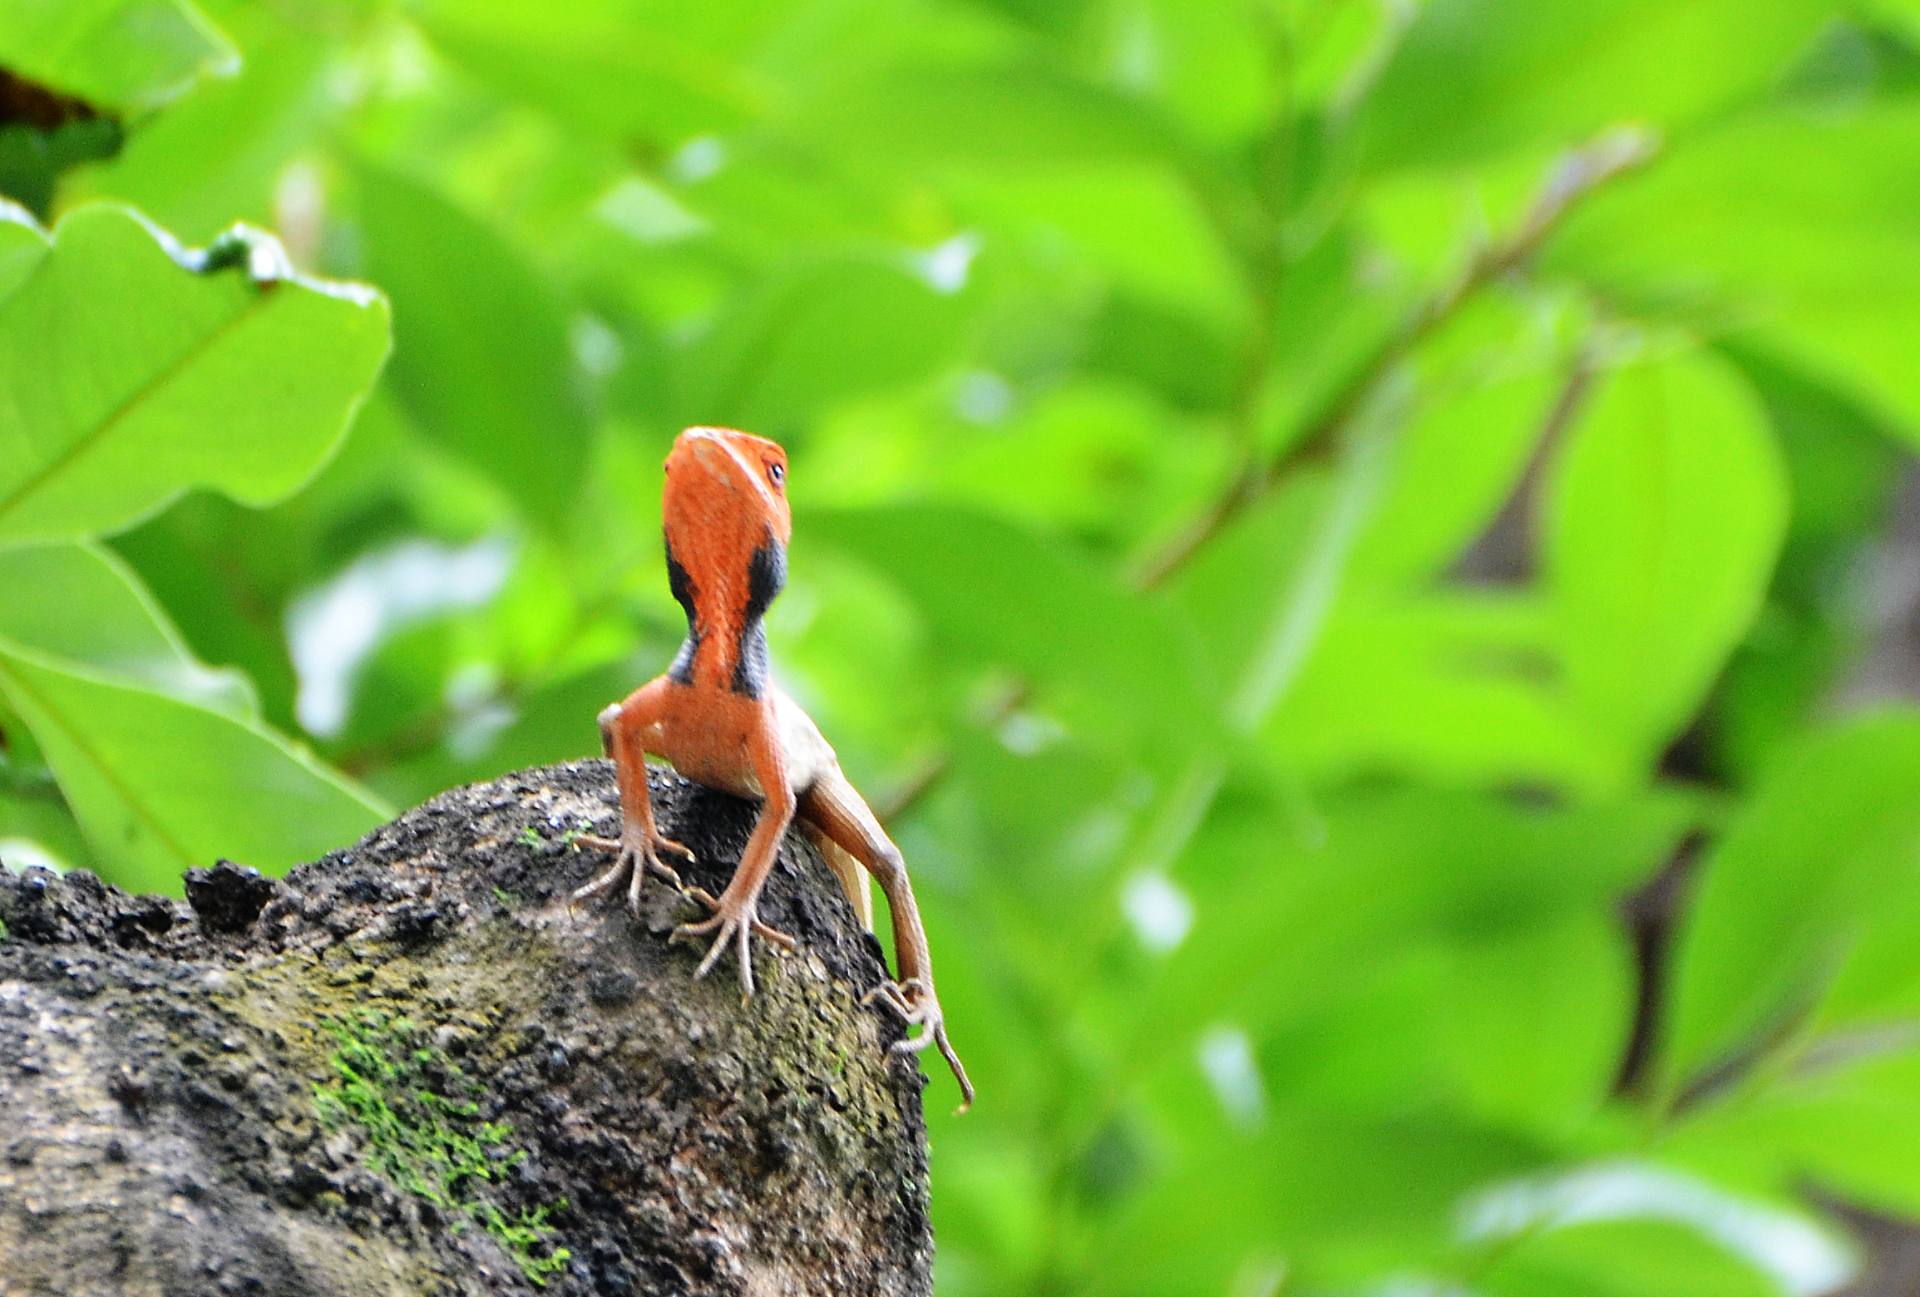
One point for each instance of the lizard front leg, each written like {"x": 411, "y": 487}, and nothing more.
{"x": 623, "y": 727}
{"x": 736, "y": 913}
{"x": 836, "y": 808}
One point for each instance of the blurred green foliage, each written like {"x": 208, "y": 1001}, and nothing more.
{"x": 1353, "y": 538}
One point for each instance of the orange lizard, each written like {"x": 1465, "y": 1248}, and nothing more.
{"x": 721, "y": 721}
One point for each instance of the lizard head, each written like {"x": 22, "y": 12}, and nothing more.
{"x": 725, "y": 510}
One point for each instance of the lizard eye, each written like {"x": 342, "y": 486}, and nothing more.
{"x": 776, "y": 473}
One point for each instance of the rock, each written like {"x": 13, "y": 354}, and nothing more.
{"x": 409, "y": 1068}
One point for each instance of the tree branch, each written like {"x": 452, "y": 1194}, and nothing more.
{"x": 1575, "y": 177}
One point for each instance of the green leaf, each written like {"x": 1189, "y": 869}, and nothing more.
{"x": 163, "y": 760}
{"x": 1474, "y": 78}
{"x": 1387, "y": 872}
{"x": 482, "y": 359}
{"x": 32, "y": 827}
{"x": 22, "y": 247}
{"x": 33, "y": 159}
{"x": 160, "y": 785}
{"x": 1308, "y": 1185}
{"x": 1829, "y": 843}
{"x": 1450, "y": 688}
{"x": 131, "y": 370}
{"x": 1461, "y": 457}
{"x": 117, "y": 55}
{"x": 82, "y": 604}
{"x": 1666, "y": 512}
{"x": 1798, "y": 228}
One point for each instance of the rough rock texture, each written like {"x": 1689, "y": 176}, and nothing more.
{"x": 408, "y": 1069}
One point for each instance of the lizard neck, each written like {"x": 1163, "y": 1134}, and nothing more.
{"x": 726, "y": 643}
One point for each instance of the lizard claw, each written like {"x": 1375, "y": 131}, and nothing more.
{"x": 913, "y": 1001}
{"x": 636, "y": 856}
{"x": 735, "y": 923}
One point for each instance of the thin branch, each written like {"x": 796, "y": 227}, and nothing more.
{"x": 1577, "y": 175}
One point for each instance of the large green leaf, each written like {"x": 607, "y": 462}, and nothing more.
{"x": 161, "y": 785}
{"x": 82, "y": 604}
{"x": 219, "y": 154}
{"x": 1471, "y": 78}
{"x": 1283, "y": 919}
{"x": 1628, "y": 1257}
{"x": 118, "y": 55}
{"x": 1454, "y": 688}
{"x": 1853, "y": 1130}
{"x": 131, "y": 370}
{"x": 1667, "y": 509}
{"x": 163, "y": 760}
{"x": 41, "y": 829}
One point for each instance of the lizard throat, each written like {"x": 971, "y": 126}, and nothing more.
{"x": 727, "y": 647}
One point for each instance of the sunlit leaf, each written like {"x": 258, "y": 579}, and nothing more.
{"x": 1852, "y": 1129}
{"x": 1799, "y": 227}
{"x": 130, "y": 371}
{"x": 1623, "y": 1258}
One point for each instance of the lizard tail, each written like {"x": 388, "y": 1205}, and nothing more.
{"x": 853, "y": 879}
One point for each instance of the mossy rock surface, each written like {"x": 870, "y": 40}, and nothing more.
{"x": 409, "y": 1068}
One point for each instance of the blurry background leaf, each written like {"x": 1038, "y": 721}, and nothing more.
{"x": 1649, "y": 590}
{"x": 1502, "y": 77}
{"x": 117, "y": 55}
{"x": 1828, "y": 847}
{"x": 1818, "y": 255}
{"x": 482, "y": 358}
{"x": 80, "y": 603}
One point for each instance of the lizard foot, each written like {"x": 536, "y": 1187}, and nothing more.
{"x": 631, "y": 851}
{"x": 734, "y": 922}
{"x": 915, "y": 1004}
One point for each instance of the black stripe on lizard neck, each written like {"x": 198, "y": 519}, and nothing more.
{"x": 766, "y": 574}
{"x": 681, "y": 586}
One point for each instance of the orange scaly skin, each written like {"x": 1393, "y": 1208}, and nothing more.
{"x": 721, "y": 721}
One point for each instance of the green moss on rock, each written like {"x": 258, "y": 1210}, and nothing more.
{"x": 417, "y": 1111}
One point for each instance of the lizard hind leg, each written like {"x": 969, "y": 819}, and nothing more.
{"x": 834, "y": 808}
